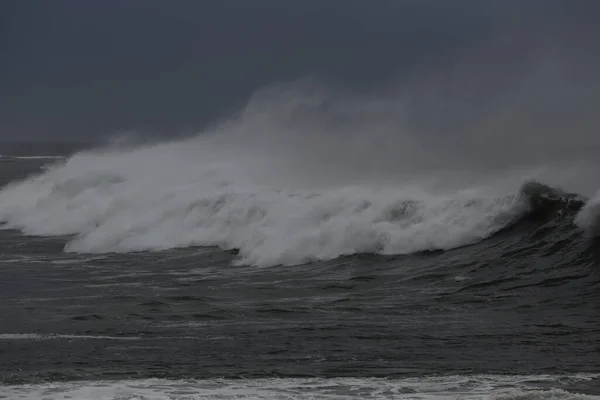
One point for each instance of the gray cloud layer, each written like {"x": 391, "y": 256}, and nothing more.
{"x": 80, "y": 69}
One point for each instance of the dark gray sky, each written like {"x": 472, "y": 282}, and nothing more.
{"x": 76, "y": 69}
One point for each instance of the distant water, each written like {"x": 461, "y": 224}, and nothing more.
{"x": 40, "y": 149}
{"x": 165, "y": 272}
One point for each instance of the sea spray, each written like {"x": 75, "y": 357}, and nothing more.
{"x": 153, "y": 198}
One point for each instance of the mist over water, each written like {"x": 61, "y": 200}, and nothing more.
{"x": 309, "y": 171}
{"x": 302, "y": 173}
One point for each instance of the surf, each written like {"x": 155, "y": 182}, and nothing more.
{"x": 298, "y": 175}
{"x": 129, "y": 201}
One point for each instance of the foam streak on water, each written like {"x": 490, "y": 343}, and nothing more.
{"x": 453, "y": 387}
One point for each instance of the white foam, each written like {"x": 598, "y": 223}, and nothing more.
{"x": 285, "y": 183}
{"x": 160, "y": 197}
{"x": 452, "y": 387}
{"x": 588, "y": 217}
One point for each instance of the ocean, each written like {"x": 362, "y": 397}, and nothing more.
{"x": 217, "y": 268}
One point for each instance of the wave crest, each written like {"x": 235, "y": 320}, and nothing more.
{"x": 131, "y": 201}
{"x": 548, "y": 202}
{"x": 588, "y": 218}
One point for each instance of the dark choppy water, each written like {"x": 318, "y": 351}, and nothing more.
{"x": 518, "y": 309}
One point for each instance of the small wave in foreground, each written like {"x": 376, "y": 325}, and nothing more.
{"x": 453, "y": 387}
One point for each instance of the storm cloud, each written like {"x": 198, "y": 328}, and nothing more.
{"x": 80, "y": 70}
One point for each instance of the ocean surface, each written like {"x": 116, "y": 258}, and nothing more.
{"x": 168, "y": 271}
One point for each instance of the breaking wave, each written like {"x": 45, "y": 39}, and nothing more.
{"x": 135, "y": 201}
{"x": 288, "y": 181}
